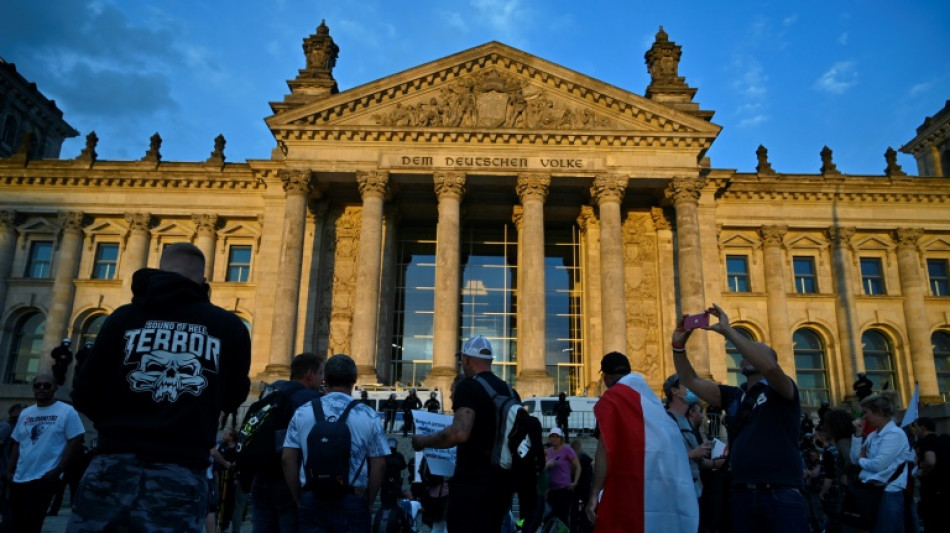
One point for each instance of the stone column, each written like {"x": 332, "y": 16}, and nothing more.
{"x": 780, "y": 337}
{"x": 845, "y": 312}
{"x": 374, "y": 188}
{"x": 532, "y": 189}
{"x": 592, "y": 300}
{"x": 297, "y": 186}
{"x": 449, "y": 188}
{"x": 61, "y": 301}
{"x": 7, "y": 251}
{"x": 206, "y": 233}
{"x": 915, "y": 314}
{"x": 685, "y": 192}
{"x": 135, "y": 255}
{"x": 608, "y": 192}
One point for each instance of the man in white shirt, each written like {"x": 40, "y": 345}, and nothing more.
{"x": 44, "y": 439}
{"x": 368, "y": 450}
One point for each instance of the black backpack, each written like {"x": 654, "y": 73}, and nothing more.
{"x": 262, "y": 433}
{"x": 327, "y": 467}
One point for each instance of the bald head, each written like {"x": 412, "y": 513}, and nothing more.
{"x": 186, "y": 259}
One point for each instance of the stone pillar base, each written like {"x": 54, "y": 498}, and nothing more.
{"x": 441, "y": 378}
{"x": 535, "y": 384}
{"x": 366, "y": 375}
{"x": 273, "y": 372}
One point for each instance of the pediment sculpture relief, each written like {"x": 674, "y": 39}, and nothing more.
{"x": 493, "y": 99}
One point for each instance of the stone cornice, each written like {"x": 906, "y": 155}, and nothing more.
{"x": 929, "y": 196}
{"x": 129, "y": 174}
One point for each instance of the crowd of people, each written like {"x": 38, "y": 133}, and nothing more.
{"x": 308, "y": 457}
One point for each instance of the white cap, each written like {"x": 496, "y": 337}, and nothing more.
{"x": 556, "y": 431}
{"x": 477, "y": 347}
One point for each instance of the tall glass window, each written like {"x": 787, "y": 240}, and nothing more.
{"x": 941, "y": 343}
{"x": 810, "y": 373}
{"x": 107, "y": 256}
{"x": 878, "y": 359}
{"x": 415, "y": 292}
{"x": 737, "y": 273}
{"x": 563, "y": 315}
{"x": 872, "y": 276}
{"x": 734, "y": 359}
{"x": 40, "y": 260}
{"x": 804, "y": 275}
{"x": 26, "y": 350}
{"x": 239, "y": 264}
{"x": 937, "y": 270}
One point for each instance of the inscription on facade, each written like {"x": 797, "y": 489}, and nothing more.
{"x": 419, "y": 161}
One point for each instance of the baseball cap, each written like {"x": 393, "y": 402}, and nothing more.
{"x": 477, "y": 347}
{"x": 556, "y": 431}
{"x": 614, "y": 363}
{"x": 67, "y": 341}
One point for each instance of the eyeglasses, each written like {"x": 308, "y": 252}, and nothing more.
{"x": 42, "y": 385}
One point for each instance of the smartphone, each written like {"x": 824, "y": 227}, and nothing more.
{"x": 699, "y": 320}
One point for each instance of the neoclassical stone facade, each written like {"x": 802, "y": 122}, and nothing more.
{"x": 493, "y": 192}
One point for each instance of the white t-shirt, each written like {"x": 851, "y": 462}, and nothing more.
{"x": 42, "y": 433}
{"x": 367, "y": 438}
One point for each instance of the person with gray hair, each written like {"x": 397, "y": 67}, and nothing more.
{"x": 762, "y": 422}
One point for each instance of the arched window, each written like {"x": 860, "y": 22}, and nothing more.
{"x": 810, "y": 374}
{"x": 733, "y": 358}
{"x": 91, "y": 328}
{"x": 26, "y": 350}
{"x": 878, "y": 359}
{"x": 941, "y": 342}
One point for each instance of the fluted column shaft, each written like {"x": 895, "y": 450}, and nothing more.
{"x": 915, "y": 314}
{"x": 7, "y": 249}
{"x": 135, "y": 255}
{"x": 374, "y": 188}
{"x": 206, "y": 234}
{"x": 297, "y": 186}
{"x": 685, "y": 193}
{"x": 845, "y": 311}
{"x": 67, "y": 266}
{"x": 780, "y": 338}
{"x": 532, "y": 189}
{"x": 591, "y": 303}
{"x": 449, "y": 188}
{"x": 608, "y": 192}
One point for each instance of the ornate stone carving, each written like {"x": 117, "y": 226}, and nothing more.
{"x": 321, "y": 53}
{"x": 773, "y": 235}
{"x": 533, "y": 186}
{"x": 492, "y": 99}
{"x": 7, "y": 220}
{"x": 685, "y": 189}
{"x": 893, "y": 169}
{"x": 346, "y": 248}
{"x": 841, "y": 236}
{"x": 154, "y": 154}
{"x": 205, "y": 224}
{"x": 660, "y": 220}
{"x": 217, "y": 156}
{"x": 587, "y": 218}
{"x": 608, "y": 188}
{"x": 662, "y": 61}
{"x": 517, "y": 216}
{"x": 373, "y": 183}
{"x": 828, "y": 166}
{"x": 71, "y": 220}
{"x": 908, "y": 237}
{"x": 449, "y": 185}
{"x": 296, "y": 181}
{"x": 89, "y": 152}
{"x": 138, "y": 221}
{"x": 764, "y": 167}
{"x": 641, "y": 292}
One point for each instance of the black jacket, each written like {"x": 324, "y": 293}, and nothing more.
{"x": 162, "y": 369}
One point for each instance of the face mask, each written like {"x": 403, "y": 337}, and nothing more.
{"x": 691, "y": 397}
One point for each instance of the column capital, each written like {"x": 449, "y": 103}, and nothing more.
{"x": 685, "y": 189}
{"x": 587, "y": 219}
{"x": 7, "y": 219}
{"x": 608, "y": 188}
{"x": 773, "y": 235}
{"x": 71, "y": 220}
{"x": 660, "y": 221}
{"x": 295, "y": 181}
{"x": 841, "y": 235}
{"x": 138, "y": 221}
{"x": 908, "y": 237}
{"x": 373, "y": 183}
{"x": 449, "y": 185}
{"x": 205, "y": 224}
{"x": 517, "y": 216}
{"x": 533, "y": 186}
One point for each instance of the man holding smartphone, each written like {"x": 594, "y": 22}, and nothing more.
{"x": 762, "y": 419}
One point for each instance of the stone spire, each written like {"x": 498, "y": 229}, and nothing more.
{"x": 316, "y": 80}
{"x": 666, "y": 85}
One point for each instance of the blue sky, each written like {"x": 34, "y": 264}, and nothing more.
{"x": 858, "y": 76}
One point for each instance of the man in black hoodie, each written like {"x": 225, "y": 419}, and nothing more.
{"x": 161, "y": 370}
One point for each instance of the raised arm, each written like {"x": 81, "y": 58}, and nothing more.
{"x": 706, "y": 389}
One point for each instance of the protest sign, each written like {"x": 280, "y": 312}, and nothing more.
{"x": 441, "y": 462}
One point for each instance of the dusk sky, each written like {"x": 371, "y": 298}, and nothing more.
{"x": 857, "y": 76}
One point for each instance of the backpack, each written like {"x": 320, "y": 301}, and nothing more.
{"x": 262, "y": 433}
{"x": 506, "y": 415}
{"x": 327, "y": 467}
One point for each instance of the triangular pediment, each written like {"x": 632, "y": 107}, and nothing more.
{"x": 873, "y": 243}
{"x": 938, "y": 244}
{"x": 739, "y": 241}
{"x": 805, "y": 241}
{"x": 498, "y": 89}
{"x": 37, "y": 225}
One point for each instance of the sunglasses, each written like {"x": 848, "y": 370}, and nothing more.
{"x": 43, "y": 385}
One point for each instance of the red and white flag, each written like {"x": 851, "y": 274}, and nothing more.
{"x": 649, "y": 487}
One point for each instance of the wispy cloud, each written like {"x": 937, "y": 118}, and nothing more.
{"x": 751, "y": 84}
{"x": 843, "y": 39}
{"x": 789, "y": 20}
{"x": 506, "y": 18}
{"x": 920, "y": 88}
{"x": 454, "y": 20}
{"x": 839, "y": 78}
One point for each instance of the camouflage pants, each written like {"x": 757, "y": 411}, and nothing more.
{"x": 120, "y": 492}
